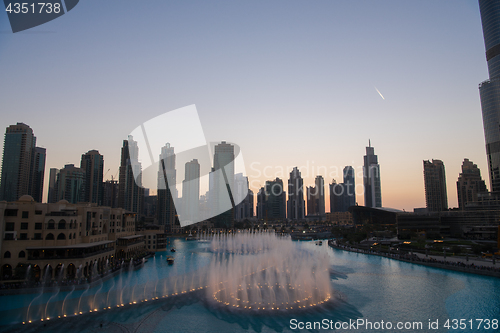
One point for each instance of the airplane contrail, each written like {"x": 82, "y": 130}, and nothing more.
{"x": 379, "y": 93}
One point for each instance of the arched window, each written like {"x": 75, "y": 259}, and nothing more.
{"x": 61, "y": 236}
{"x": 22, "y": 254}
{"x": 70, "y": 236}
{"x": 49, "y": 237}
{"x": 51, "y": 224}
{"x": 74, "y": 235}
{"x": 62, "y": 224}
{"x": 6, "y": 254}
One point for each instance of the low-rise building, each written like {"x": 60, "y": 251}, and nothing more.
{"x": 57, "y": 241}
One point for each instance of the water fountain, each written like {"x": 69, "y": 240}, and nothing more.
{"x": 263, "y": 272}
{"x": 248, "y": 272}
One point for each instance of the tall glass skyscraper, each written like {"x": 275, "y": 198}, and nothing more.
{"x": 23, "y": 164}
{"x": 296, "y": 205}
{"x": 489, "y": 90}
{"x": 371, "y": 178}
{"x": 93, "y": 164}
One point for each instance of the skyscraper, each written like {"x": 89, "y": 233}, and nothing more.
{"x": 244, "y": 209}
{"x": 110, "y": 193}
{"x": 296, "y": 209}
{"x": 23, "y": 164}
{"x": 489, "y": 90}
{"x": 130, "y": 191}
{"x": 316, "y": 197}
{"x": 93, "y": 164}
{"x": 191, "y": 191}
{"x": 349, "y": 197}
{"x": 371, "y": 178}
{"x": 52, "y": 196}
{"x": 223, "y": 181}
{"x": 275, "y": 204}
{"x": 342, "y": 195}
{"x": 261, "y": 204}
{"x": 37, "y": 173}
{"x": 70, "y": 184}
{"x": 469, "y": 184}
{"x": 436, "y": 198}
{"x": 166, "y": 188}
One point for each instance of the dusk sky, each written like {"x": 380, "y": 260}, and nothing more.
{"x": 293, "y": 83}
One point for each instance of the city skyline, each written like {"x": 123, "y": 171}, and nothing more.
{"x": 331, "y": 79}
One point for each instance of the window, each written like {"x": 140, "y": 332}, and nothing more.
{"x": 10, "y": 212}
{"x": 38, "y": 236}
{"x": 61, "y": 236}
{"x": 38, "y": 212}
{"x": 69, "y": 236}
{"x": 9, "y": 236}
{"x": 38, "y": 226}
{"x": 51, "y": 225}
{"x": 26, "y": 214}
{"x": 49, "y": 237}
{"x": 9, "y": 226}
{"x": 24, "y": 226}
{"x": 149, "y": 236}
{"x": 62, "y": 224}
{"x": 93, "y": 214}
{"x": 22, "y": 254}
{"x": 6, "y": 254}
{"x": 23, "y": 236}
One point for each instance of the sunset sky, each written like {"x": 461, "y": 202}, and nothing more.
{"x": 293, "y": 83}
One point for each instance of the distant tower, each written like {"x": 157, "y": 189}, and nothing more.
{"x": 166, "y": 188}
{"x": 489, "y": 90}
{"x": 261, "y": 203}
{"x": 336, "y": 196}
{"x": 110, "y": 193}
{"x": 436, "y": 198}
{"x": 224, "y": 161}
{"x": 23, "y": 164}
{"x": 275, "y": 205}
{"x": 349, "y": 195}
{"x": 296, "y": 205}
{"x": 469, "y": 184}
{"x": 93, "y": 164}
{"x": 52, "y": 197}
{"x": 130, "y": 193}
{"x": 316, "y": 197}
{"x": 244, "y": 209}
{"x": 70, "y": 184}
{"x": 371, "y": 178}
{"x": 37, "y": 173}
{"x": 191, "y": 191}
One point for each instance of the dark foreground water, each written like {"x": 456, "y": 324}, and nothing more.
{"x": 371, "y": 294}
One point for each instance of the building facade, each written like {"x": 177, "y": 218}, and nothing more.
{"x": 64, "y": 241}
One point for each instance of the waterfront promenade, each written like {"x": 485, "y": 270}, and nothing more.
{"x": 461, "y": 264}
